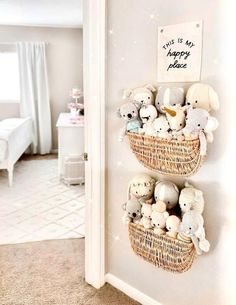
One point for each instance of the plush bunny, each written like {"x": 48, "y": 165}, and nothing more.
{"x": 146, "y": 212}
{"x": 142, "y": 188}
{"x": 130, "y": 114}
{"x": 132, "y": 210}
{"x": 191, "y": 199}
{"x": 148, "y": 114}
{"x": 161, "y": 127}
{"x": 167, "y": 192}
{"x": 143, "y": 95}
{"x": 202, "y": 96}
{"x": 159, "y": 222}
{"x": 172, "y": 225}
{"x": 169, "y": 97}
{"x": 199, "y": 124}
{"x": 192, "y": 226}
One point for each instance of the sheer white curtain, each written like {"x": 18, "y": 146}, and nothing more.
{"x": 34, "y": 93}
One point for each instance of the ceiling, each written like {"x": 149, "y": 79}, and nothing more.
{"x": 53, "y": 13}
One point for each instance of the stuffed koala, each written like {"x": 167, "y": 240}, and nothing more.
{"x": 129, "y": 112}
{"x": 146, "y": 212}
{"x": 148, "y": 114}
{"x": 202, "y": 96}
{"x": 192, "y": 226}
{"x": 172, "y": 225}
{"x": 132, "y": 210}
{"x": 167, "y": 192}
{"x": 161, "y": 127}
{"x": 142, "y": 95}
{"x": 142, "y": 188}
{"x": 191, "y": 199}
{"x": 169, "y": 97}
{"x": 199, "y": 124}
{"x": 159, "y": 222}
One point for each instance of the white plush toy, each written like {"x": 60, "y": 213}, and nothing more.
{"x": 142, "y": 188}
{"x": 161, "y": 127}
{"x": 172, "y": 225}
{"x": 143, "y": 95}
{"x": 159, "y": 222}
{"x": 169, "y": 96}
{"x": 202, "y": 96}
{"x": 176, "y": 118}
{"x": 146, "y": 212}
{"x": 199, "y": 124}
{"x": 191, "y": 199}
{"x": 192, "y": 226}
{"x": 132, "y": 210}
{"x": 167, "y": 192}
{"x": 148, "y": 114}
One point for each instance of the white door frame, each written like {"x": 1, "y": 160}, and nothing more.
{"x": 94, "y": 52}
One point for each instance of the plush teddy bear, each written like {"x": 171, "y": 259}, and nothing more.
{"x": 192, "y": 226}
{"x": 143, "y": 95}
{"x": 132, "y": 210}
{"x": 161, "y": 127}
{"x": 148, "y": 114}
{"x": 142, "y": 187}
{"x": 199, "y": 124}
{"x": 129, "y": 112}
{"x": 146, "y": 212}
{"x": 159, "y": 222}
{"x": 167, "y": 192}
{"x": 202, "y": 96}
{"x": 169, "y": 96}
{"x": 191, "y": 199}
{"x": 172, "y": 225}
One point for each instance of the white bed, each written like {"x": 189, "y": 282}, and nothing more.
{"x": 15, "y": 137}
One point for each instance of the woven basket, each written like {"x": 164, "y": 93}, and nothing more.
{"x": 168, "y": 157}
{"x": 162, "y": 251}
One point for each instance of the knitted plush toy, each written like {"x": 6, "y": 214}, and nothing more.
{"x": 142, "y": 95}
{"x": 202, "y": 96}
{"x": 191, "y": 199}
{"x": 146, "y": 212}
{"x": 167, "y": 192}
{"x": 142, "y": 188}
{"x": 129, "y": 112}
{"x": 161, "y": 127}
{"x": 132, "y": 210}
{"x": 172, "y": 225}
{"x": 192, "y": 227}
{"x": 159, "y": 222}
{"x": 148, "y": 114}
{"x": 169, "y": 97}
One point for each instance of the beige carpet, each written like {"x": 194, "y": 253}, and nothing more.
{"x": 50, "y": 273}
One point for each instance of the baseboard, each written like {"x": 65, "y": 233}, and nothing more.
{"x": 130, "y": 291}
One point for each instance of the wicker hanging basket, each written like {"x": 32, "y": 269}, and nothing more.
{"x": 161, "y": 250}
{"x": 168, "y": 157}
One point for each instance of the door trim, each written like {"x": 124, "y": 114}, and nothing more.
{"x": 94, "y": 73}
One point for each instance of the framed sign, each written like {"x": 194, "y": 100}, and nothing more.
{"x": 179, "y": 52}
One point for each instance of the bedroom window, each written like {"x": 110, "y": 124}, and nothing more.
{"x": 9, "y": 78}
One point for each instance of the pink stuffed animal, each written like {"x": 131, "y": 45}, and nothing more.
{"x": 172, "y": 225}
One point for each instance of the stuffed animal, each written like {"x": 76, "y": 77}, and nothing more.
{"x": 191, "y": 199}
{"x": 176, "y": 118}
{"x": 132, "y": 210}
{"x": 199, "y": 124}
{"x": 159, "y": 222}
{"x": 161, "y": 127}
{"x": 146, "y": 212}
{"x": 169, "y": 97}
{"x": 148, "y": 114}
{"x": 129, "y": 112}
{"x": 172, "y": 225}
{"x": 167, "y": 192}
{"x": 192, "y": 226}
{"x": 202, "y": 96}
{"x": 142, "y": 95}
{"x": 142, "y": 187}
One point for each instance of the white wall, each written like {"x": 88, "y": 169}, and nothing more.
{"x": 64, "y": 59}
{"x": 131, "y": 62}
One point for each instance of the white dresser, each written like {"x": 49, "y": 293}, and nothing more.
{"x": 70, "y": 140}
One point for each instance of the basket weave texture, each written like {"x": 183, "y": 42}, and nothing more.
{"x": 168, "y": 157}
{"x": 161, "y": 250}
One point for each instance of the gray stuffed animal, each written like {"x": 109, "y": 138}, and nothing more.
{"x": 169, "y": 97}
{"x": 132, "y": 210}
{"x": 129, "y": 112}
{"x": 167, "y": 192}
